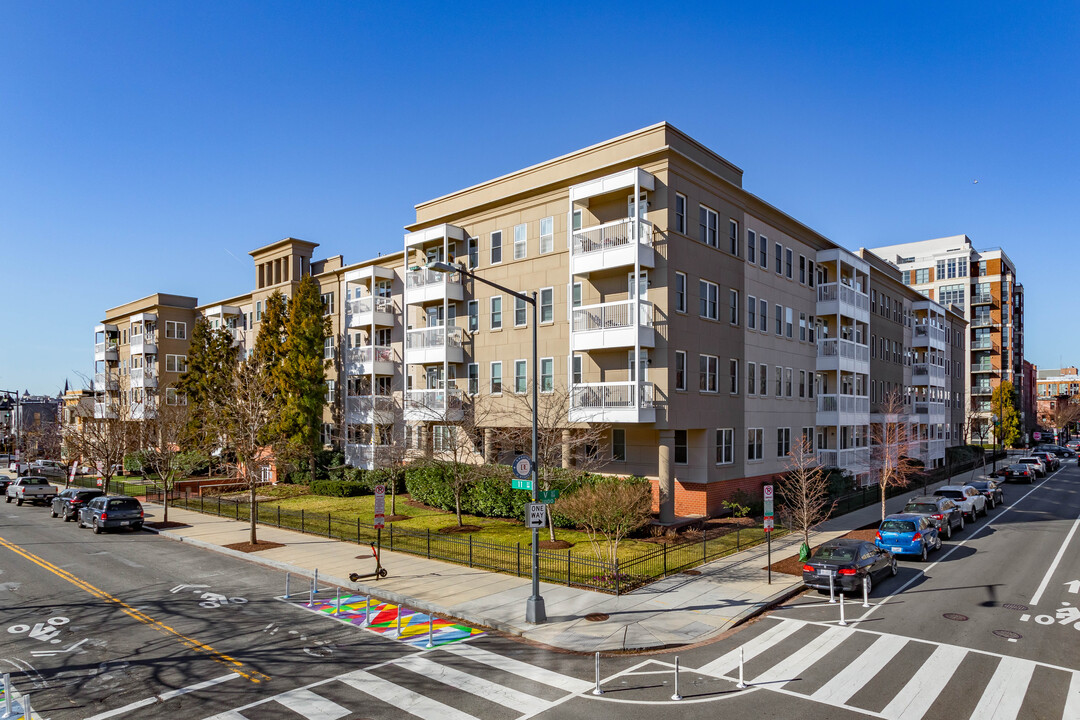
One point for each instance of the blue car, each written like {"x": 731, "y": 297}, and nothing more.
{"x": 908, "y": 534}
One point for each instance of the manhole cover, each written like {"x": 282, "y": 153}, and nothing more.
{"x": 1015, "y": 606}
{"x": 1008, "y": 634}
{"x": 955, "y": 616}
{"x": 597, "y": 617}
{"x": 691, "y": 572}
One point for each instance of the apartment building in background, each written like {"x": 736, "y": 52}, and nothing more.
{"x": 984, "y": 285}
{"x": 704, "y": 330}
{"x": 1055, "y": 386}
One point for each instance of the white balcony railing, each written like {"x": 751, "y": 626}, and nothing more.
{"x": 845, "y": 294}
{"x": 371, "y": 303}
{"x": 857, "y": 459}
{"x": 848, "y": 349}
{"x": 924, "y": 331}
{"x": 105, "y": 381}
{"x": 143, "y": 377}
{"x": 369, "y": 408}
{"x": 611, "y": 396}
{"x": 843, "y": 403}
{"x": 609, "y": 316}
{"x": 434, "y": 404}
{"x": 612, "y": 235}
{"x": 109, "y": 346}
{"x": 105, "y": 410}
{"x": 367, "y": 457}
{"x": 930, "y": 407}
{"x": 927, "y": 371}
{"x": 370, "y": 353}
{"x": 434, "y": 337}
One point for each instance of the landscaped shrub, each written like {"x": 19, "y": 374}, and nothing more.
{"x": 388, "y": 477}
{"x": 963, "y": 453}
{"x": 339, "y": 488}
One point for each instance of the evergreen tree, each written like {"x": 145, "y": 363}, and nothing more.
{"x": 302, "y": 373}
{"x": 269, "y": 353}
{"x": 1003, "y": 405}
{"x": 212, "y": 360}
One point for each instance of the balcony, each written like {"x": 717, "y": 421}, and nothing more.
{"x": 144, "y": 344}
{"x": 982, "y": 344}
{"x": 434, "y": 405}
{"x": 835, "y": 410}
{"x": 432, "y": 345}
{"x": 370, "y": 360}
{"x": 106, "y": 381}
{"x": 371, "y": 310}
{"x": 981, "y": 390}
{"x": 834, "y": 354}
{"x": 843, "y": 299}
{"x": 367, "y": 457}
{"x": 984, "y": 299}
{"x": 930, "y": 412}
{"x": 611, "y": 325}
{"x": 425, "y": 286}
{"x": 106, "y": 411}
{"x": 143, "y": 378}
{"x": 238, "y": 335}
{"x": 982, "y": 322}
{"x": 369, "y": 409}
{"x": 612, "y": 245}
{"x": 927, "y": 374}
{"x": 982, "y": 368}
{"x": 106, "y": 351}
{"x": 933, "y": 450}
{"x": 615, "y": 402}
{"x": 856, "y": 460}
{"x": 927, "y": 335}
{"x": 142, "y": 411}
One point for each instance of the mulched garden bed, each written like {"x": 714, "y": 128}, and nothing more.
{"x": 793, "y": 566}
{"x": 707, "y": 529}
{"x": 454, "y": 529}
{"x": 249, "y": 548}
{"x": 554, "y": 544}
{"x": 165, "y": 525}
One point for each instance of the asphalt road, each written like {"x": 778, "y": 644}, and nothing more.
{"x": 127, "y": 631}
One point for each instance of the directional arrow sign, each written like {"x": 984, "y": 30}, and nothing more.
{"x": 1074, "y": 586}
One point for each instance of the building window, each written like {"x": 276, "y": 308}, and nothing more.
{"x": 802, "y": 269}
{"x": 327, "y": 303}
{"x": 474, "y": 378}
{"x": 496, "y": 312}
{"x": 763, "y": 371}
{"x": 682, "y": 452}
{"x": 733, "y": 237}
{"x": 751, "y": 312}
{"x": 441, "y": 438}
{"x": 787, "y": 263}
{"x": 521, "y": 370}
{"x": 810, "y": 273}
{"x": 779, "y": 319}
{"x": 763, "y": 252}
{"x": 787, "y": 382}
{"x": 733, "y": 370}
{"x": 680, "y": 292}
{"x": 178, "y": 330}
{"x": 547, "y": 235}
{"x": 709, "y": 295}
{"x": 575, "y": 364}
{"x": 331, "y": 391}
{"x": 496, "y": 247}
{"x": 751, "y": 378}
{"x": 547, "y": 305}
{"x": 496, "y": 378}
{"x": 733, "y": 300}
{"x": 802, "y": 383}
{"x": 618, "y": 444}
{"x": 707, "y": 226}
{"x": 754, "y": 439}
{"x": 176, "y": 363}
{"x": 709, "y": 368}
{"x": 725, "y": 446}
{"x": 763, "y": 319}
{"x": 680, "y": 213}
{"x": 547, "y": 374}
{"x": 520, "y": 241}
{"x": 783, "y": 442}
{"x": 474, "y": 315}
{"x": 922, "y": 276}
{"x": 473, "y": 247}
{"x": 521, "y": 316}
{"x": 751, "y": 246}
{"x": 680, "y": 370}
{"x": 779, "y": 381}
{"x": 802, "y": 327}
{"x": 328, "y": 348}
{"x": 788, "y": 322}
{"x": 779, "y": 259}
{"x": 808, "y": 438}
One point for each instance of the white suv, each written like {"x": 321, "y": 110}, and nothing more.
{"x": 1037, "y": 464}
{"x": 971, "y": 502}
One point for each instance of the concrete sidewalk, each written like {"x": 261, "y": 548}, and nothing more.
{"x": 678, "y": 610}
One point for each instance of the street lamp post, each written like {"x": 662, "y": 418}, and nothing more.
{"x": 534, "y": 606}
{"x": 18, "y": 429}
{"x": 994, "y": 419}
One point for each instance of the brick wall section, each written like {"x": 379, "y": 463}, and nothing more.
{"x": 707, "y": 499}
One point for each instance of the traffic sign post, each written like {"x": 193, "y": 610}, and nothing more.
{"x": 768, "y": 522}
{"x": 535, "y": 514}
{"x": 548, "y": 496}
{"x": 521, "y": 484}
{"x": 522, "y": 467}
{"x": 380, "y": 507}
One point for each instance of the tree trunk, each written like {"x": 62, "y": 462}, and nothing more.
{"x": 311, "y": 460}
{"x": 251, "y": 511}
{"x": 883, "y": 483}
{"x": 165, "y": 500}
{"x": 457, "y": 505}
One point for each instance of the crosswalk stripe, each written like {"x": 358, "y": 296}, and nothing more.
{"x": 228, "y": 715}
{"x": 401, "y": 697}
{"x": 926, "y": 684}
{"x": 860, "y": 671}
{"x": 311, "y": 706}
{"x": 1005, "y": 694}
{"x": 1072, "y": 700}
{"x": 519, "y": 668}
{"x": 455, "y": 678}
{"x": 729, "y": 662}
{"x": 791, "y": 667}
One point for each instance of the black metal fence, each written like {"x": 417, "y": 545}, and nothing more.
{"x": 556, "y": 566}
{"x": 116, "y": 485}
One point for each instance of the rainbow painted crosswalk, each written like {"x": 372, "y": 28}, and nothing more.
{"x": 382, "y": 618}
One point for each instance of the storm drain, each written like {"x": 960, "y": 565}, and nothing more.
{"x": 955, "y": 616}
{"x": 1008, "y": 634}
{"x": 597, "y": 617}
{"x": 691, "y": 572}
{"x": 1015, "y": 606}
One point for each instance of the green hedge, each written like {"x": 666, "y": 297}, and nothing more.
{"x": 963, "y": 453}
{"x": 339, "y": 488}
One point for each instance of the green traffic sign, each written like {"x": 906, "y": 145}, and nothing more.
{"x": 521, "y": 484}
{"x": 547, "y": 496}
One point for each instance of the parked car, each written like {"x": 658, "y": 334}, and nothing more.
{"x": 1019, "y": 472}
{"x": 1073, "y": 445}
{"x": 30, "y": 488}
{"x": 1057, "y": 450}
{"x": 944, "y": 512}
{"x": 908, "y": 534}
{"x": 972, "y": 502}
{"x": 1049, "y": 459}
{"x": 49, "y": 468}
{"x": 18, "y": 467}
{"x": 992, "y": 489}
{"x": 849, "y": 563}
{"x": 105, "y": 512}
{"x": 69, "y": 501}
{"x": 4, "y": 482}
{"x": 1039, "y": 466}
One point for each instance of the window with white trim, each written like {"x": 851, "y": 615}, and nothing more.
{"x": 496, "y": 312}
{"x": 733, "y": 237}
{"x": 751, "y": 246}
{"x": 496, "y": 247}
{"x": 725, "y": 446}
{"x": 474, "y": 315}
{"x": 779, "y": 381}
{"x": 680, "y": 292}
{"x": 521, "y": 237}
{"x": 733, "y": 301}
{"x": 788, "y": 254}
{"x": 331, "y": 391}
{"x": 474, "y": 378}
{"x": 709, "y": 297}
{"x": 496, "y": 377}
{"x": 178, "y": 330}
{"x": 754, "y": 440}
{"x": 763, "y": 252}
{"x": 547, "y": 375}
{"x": 709, "y": 373}
{"x": 707, "y": 226}
{"x": 680, "y": 213}
{"x": 783, "y": 442}
{"x": 787, "y": 382}
{"x": 328, "y": 348}
{"x": 751, "y": 378}
{"x": 547, "y": 305}
{"x": 763, "y": 371}
{"x": 547, "y": 235}
{"x": 473, "y": 247}
{"x": 751, "y": 312}
{"x": 521, "y": 315}
{"x": 779, "y": 319}
{"x": 680, "y": 369}
{"x": 521, "y": 381}
{"x": 733, "y": 371}
{"x": 176, "y": 363}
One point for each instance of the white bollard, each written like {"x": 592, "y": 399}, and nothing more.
{"x": 28, "y": 714}
{"x": 286, "y": 586}
{"x": 842, "y": 621}
{"x": 832, "y": 590}
{"x": 676, "y": 696}
{"x": 337, "y": 601}
{"x": 430, "y": 626}
{"x": 315, "y": 582}
{"x": 399, "y": 621}
{"x": 7, "y": 695}
{"x": 311, "y": 596}
{"x": 596, "y": 690}
{"x": 866, "y": 592}
{"x": 742, "y": 683}
{"x": 367, "y": 611}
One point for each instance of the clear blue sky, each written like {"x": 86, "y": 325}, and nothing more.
{"x": 149, "y": 146}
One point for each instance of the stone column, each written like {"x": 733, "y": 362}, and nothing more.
{"x": 425, "y": 440}
{"x": 489, "y": 445}
{"x": 665, "y": 455}
{"x": 566, "y": 459}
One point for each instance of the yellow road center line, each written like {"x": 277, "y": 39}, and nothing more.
{"x": 216, "y": 656}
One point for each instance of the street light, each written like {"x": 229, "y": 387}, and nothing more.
{"x": 994, "y": 419}
{"x": 18, "y": 422}
{"x": 534, "y": 606}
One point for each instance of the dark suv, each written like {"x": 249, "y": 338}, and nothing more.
{"x": 1057, "y": 450}
{"x": 941, "y": 510}
{"x": 103, "y": 512}
{"x": 68, "y": 502}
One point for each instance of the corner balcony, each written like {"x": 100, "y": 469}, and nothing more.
{"x": 142, "y": 411}
{"x": 369, "y": 409}
{"x": 105, "y": 411}
{"x": 836, "y": 410}
{"x": 371, "y": 310}
{"x": 142, "y": 378}
{"x": 927, "y": 374}
{"x": 367, "y": 457}
{"x": 426, "y": 286}
{"x": 983, "y": 344}
{"x": 238, "y": 335}
{"x": 981, "y": 391}
{"x": 984, "y": 299}
{"x": 106, "y": 351}
{"x": 612, "y": 245}
{"x": 982, "y": 368}
{"x": 836, "y": 355}
{"x": 612, "y": 402}
{"x": 434, "y": 405}
{"x": 925, "y": 335}
{"x": 982, "y": 322}
{"x": 930, "y": 412}
{"x": 842, "y": 299}
{"x": 143, "y": 344}
{"x": 611, "y": 325}
{"x": 428, "y": 346}
{"x": 106, "y": 381}
{"x": 857, "y": 460}
{"x": 369, "y": 360}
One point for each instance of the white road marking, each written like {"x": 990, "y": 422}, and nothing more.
{"x": 791, "y": 667}
{"x": 519, "y": 668}
{"x": 311, "y": 706}
{"x": 923, "y": 688}
{"x": 403, "y": 698}
{"x": 728, "y": 663}
{"x": 1053, "y": 566}
{"x": 860, "y": 671}
{"x": 1005, "y": 694}
{"x": 1072, "y": 700}
{"x": 472, "y": 684}
{"x": 164, "y": 696}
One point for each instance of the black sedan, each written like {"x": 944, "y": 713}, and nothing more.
{"x": 849, "y": 563}
{"x": 68, "y": 503}
{"x": 1019, "y": 473}
{"x": 995, "y": 494}
{"x": 1058, "y": 450}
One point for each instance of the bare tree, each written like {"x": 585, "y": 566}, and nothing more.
{"x": 804, "y": 490}
{"x": 1066, "y": 410}
{"x": 611, "y": 509}
{"x": 162, "y": 434}
{"x": 457, "y": 444}
{"x": 249, "y": 413}
{"x": 889, "y": 438}
{"x": 43, "y": 439}
{"x": 104, "y": 435}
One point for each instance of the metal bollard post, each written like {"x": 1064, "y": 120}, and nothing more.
{"x": 337, "y": 601}
{"x": 742, "y": 683}
{"x": 399, "y": 621}
{"x": 842, "y": 621}
{"x": 28, "y": 713}
{"x": 430, "y": 625}
{"x": 367, "y": 611}
{"x": 832, "y": 591}
{"x": 315, "y": 582}
{"x": 866, "y": 592}
{"x": 676, "y": 696}
{"x": 286, "y": 586}
{"x": 597, "y": 690}
{"x": 7, "y": 695}
{"x": 311, "y": 595}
